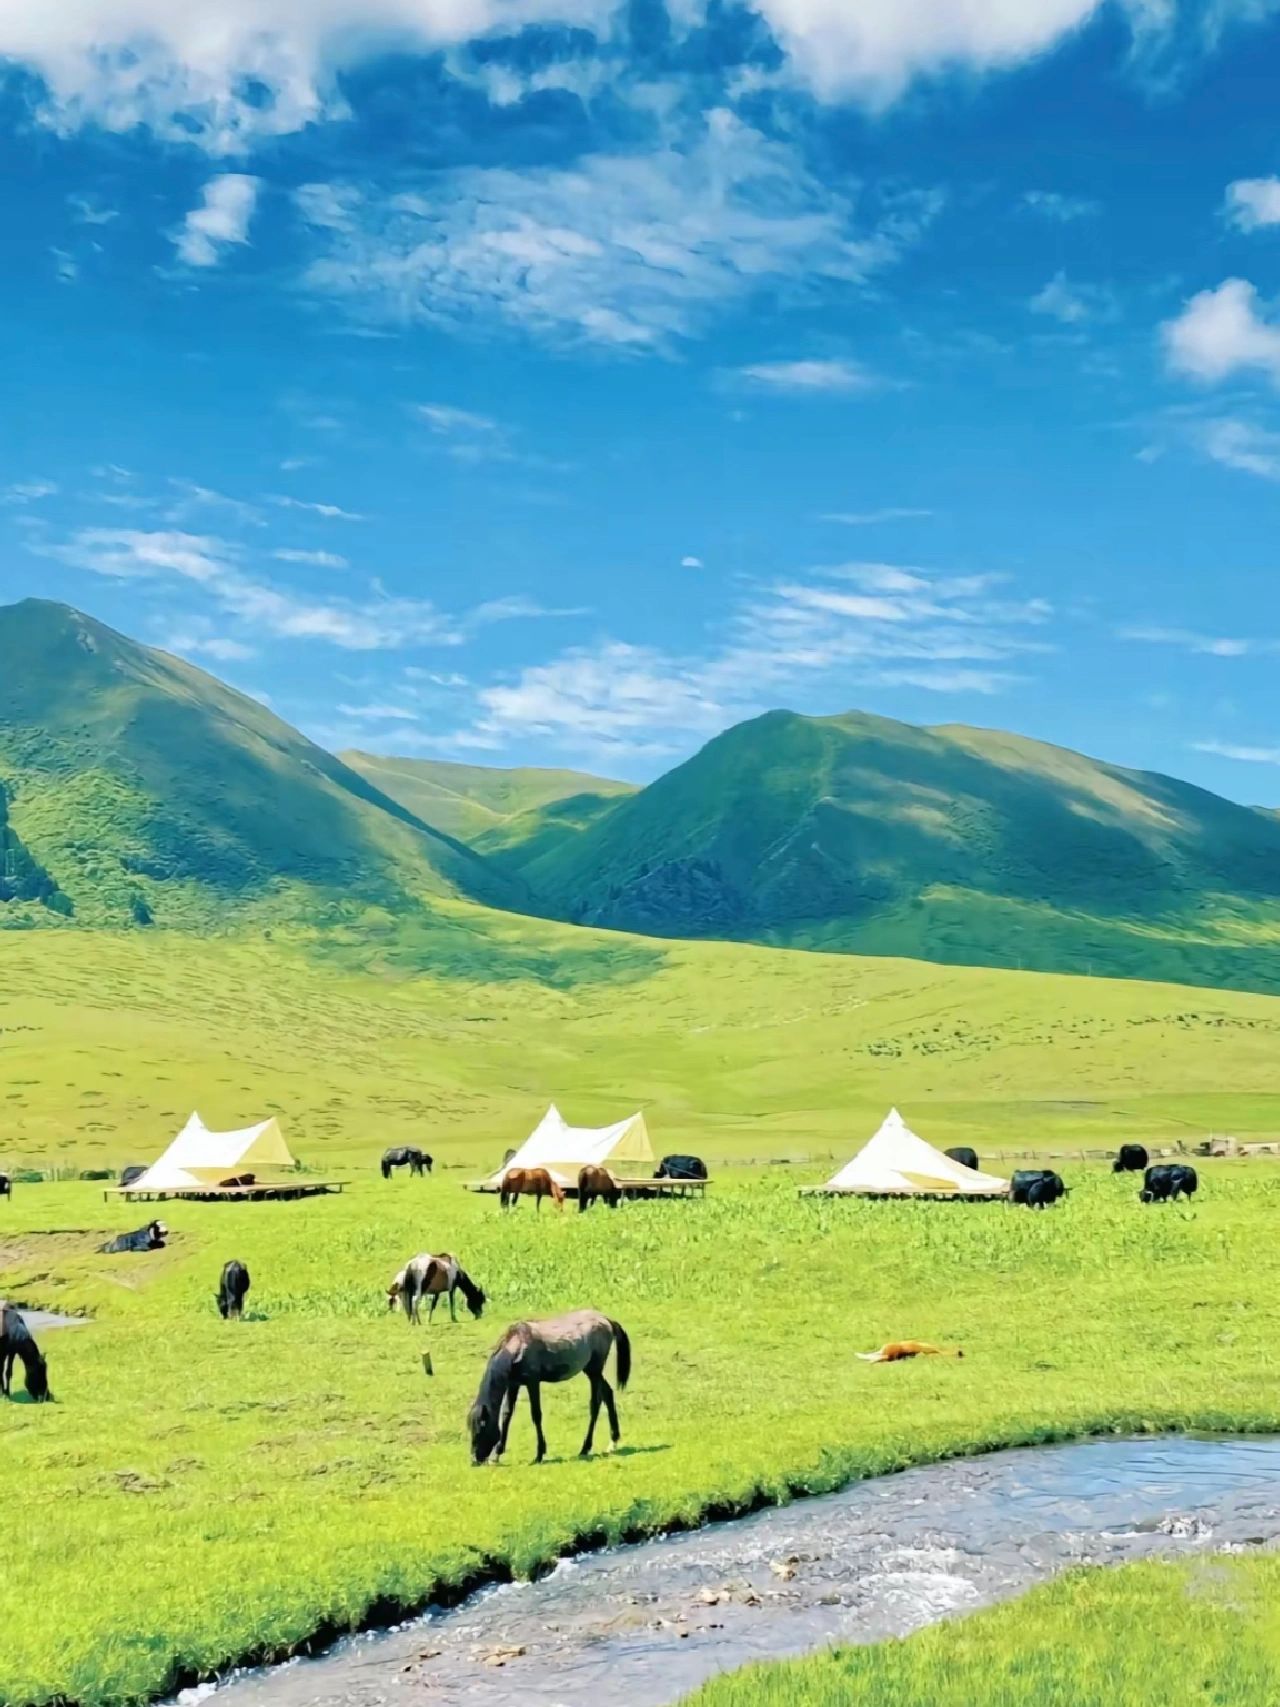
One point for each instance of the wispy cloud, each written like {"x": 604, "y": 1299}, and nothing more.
{"x": 192, "y": 497}
{"x": 1247, "y": 755}
{"x": 1206, "y": 645}
{"x": 1240, "y": 444}
{"x": 220, "y": 221}
{"x": 835, "y": 631}
{"x": 1072, "y": 304}
{"x": 312, "y": 559}
{"x": 445, "y": 418}
{"x": 379, "y": 713}
{"x": 1052, "y": 204}
{"x": 88, "y": 210}
{"x": 808, "y": 376}
{"x": 216, "y": 566}
{"x": 1222, "y": 332}
{"x": 197, "y": 639}
{"x": 28, "y": 492}
{"x": 872, "y": 518}
{"x": 692, "y": 563}
{"x": 629, "y": 251}
{"x": 1252, "y": 203}
{"x": 331, "y": 512}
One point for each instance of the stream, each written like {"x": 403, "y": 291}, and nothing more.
{"x": 647, "y": 1623}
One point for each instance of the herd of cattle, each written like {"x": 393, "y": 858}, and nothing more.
{"x": 1038, "y": 1188}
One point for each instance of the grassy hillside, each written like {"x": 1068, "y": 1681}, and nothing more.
{"x": 108, "y": 1041}
{"x": 858, "y": 834}
{"x": 484, "y": 805}
{"x": 147, "y": 790}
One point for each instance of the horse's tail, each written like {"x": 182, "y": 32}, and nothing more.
{"x": 622, "y": 1345}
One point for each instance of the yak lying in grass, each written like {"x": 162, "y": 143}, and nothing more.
{"x": 1036, "y": 1187}
{"x": 1132, "y": 1159}
{"x": 233, "y": 1288}
{"x": 966, "y": 1157}
{"x": 1167, "y": 1182}
{"x": 148, "y": 1238}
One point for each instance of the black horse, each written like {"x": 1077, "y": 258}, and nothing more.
{"x": 232, "y": 1290}
{"x": 16, "y": 1344}
{"x": 405, "y": 1156}
{"x": 1132, "y": 1159}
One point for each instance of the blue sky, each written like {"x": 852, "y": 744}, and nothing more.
{"x": 551, "y": 381}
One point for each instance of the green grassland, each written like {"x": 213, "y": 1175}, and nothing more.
{"x": 253, "y": 1483}
{"x": 1144, "y": 1636}
{"x": 250, "y": 1483}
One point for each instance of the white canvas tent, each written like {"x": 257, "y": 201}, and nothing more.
{"x": 897, "y": 1163}
{"x": 623, "y": 1148}
{"x": 198, "y": 1158}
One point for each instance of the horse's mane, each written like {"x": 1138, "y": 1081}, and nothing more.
{"x": 497, "y": 1372}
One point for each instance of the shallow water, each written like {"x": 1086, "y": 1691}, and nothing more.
{"x": 645, "y": 1624}
{"x": 44, "y": 1321}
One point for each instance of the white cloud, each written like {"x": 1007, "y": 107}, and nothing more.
{"x": 1240, "y": 444}
{"x": 808, "y": 376}
{"x": 222, "y": 219}
{"x": 28, "y": 491}
{"x": 215, "y": 565}
{"x": 1221, "y": 332}
{"x": 331, "y": 512}
{"x": 692, "y": 563}
{"x": 443, "y": 418}
{"x": 89, "y": 211}
{"x": 835, "y": 633}
{"x": 379, "y": 713}
{"x": 1206, "y": 645}
{"x": 1247, "y": 755}
{"x": 1252, "y": 203}
{"x": 630, "y": 251}
{"x": 871, "y": 518}
{"x": 194, "y": 497}
{"x": 1070, "y": 303}
{"x": 223, "y": 73}
{"x": 313, "y": 559}
{"x": 1053, "y": 205}
{"x": 198, "y": 640}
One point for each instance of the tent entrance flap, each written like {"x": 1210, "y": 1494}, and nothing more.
{"x": 896, "y": 1162}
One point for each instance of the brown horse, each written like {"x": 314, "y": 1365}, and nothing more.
{"x": 429, "y": 1276}
{"x": 530, "y": 1353}
{"x": 596, "y": 1183}
{"x": 531, "y": 1182}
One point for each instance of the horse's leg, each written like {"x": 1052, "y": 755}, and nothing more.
{"x": 537, "y": 1203}
{"x": 508, "y": 1411}
{"x": 606, "y": 1391}
{"x": 431, "y": 1308}
{"x": 535, "y": 1407}
{"x": 453, "y": 1302}
{"x": 596, "y": 1379}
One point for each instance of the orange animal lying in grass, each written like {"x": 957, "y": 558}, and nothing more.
{"x": 897, "y": 1350}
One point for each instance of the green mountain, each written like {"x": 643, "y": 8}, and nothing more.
{"x": 138, "y": 789}
{"x": 969, "y": 846}
{"x": 524, "y": 809}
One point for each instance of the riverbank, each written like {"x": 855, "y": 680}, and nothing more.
{"x": 254, "y": 1483}
{"x": 1147, "y": 1635}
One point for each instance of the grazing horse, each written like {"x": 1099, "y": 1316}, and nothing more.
{"x": 430, "y": 1276}
{"x": 596, "y": 1183}
{"x": 232, "y": 1290}
{"x": 897, "y": 1350}
{"x": 16, "y": 1342}
{"x": 536, "y": 1183}
{"x": 148, "y": 1238}
{"x": 405, "y": 1156}
{"x": 530, "y": 1353}
{"x": 1132, "y": 1159}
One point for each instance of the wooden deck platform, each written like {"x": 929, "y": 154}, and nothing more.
{"x": 630, "y": 1188}
{"x": 281, "y": 1190}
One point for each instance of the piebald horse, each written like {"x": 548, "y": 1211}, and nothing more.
{"x": 430, "y": 1276}
{"x": 530, "y": 1353}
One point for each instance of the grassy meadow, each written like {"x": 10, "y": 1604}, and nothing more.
{"x": 250, "y": 1484}
{"x": 1145, "y": 1635}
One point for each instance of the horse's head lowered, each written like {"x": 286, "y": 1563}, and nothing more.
{"x": 482, "y": 1420}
